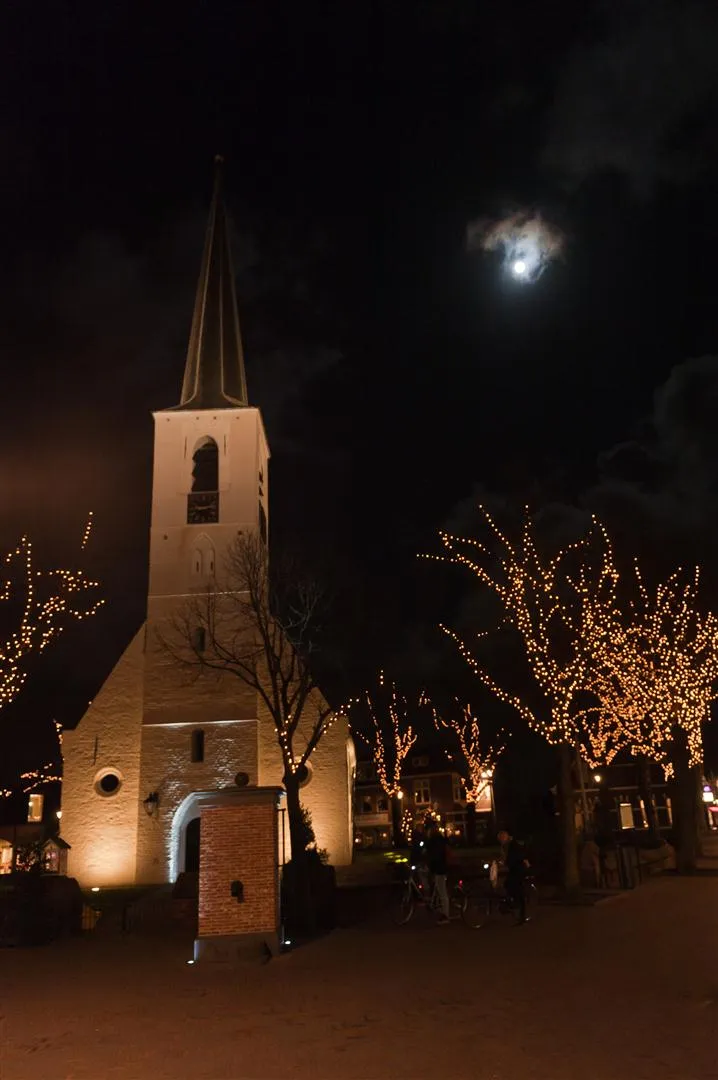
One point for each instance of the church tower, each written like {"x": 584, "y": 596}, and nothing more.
{"x": 156, "y": 738}
{"x": 210, "y": 482}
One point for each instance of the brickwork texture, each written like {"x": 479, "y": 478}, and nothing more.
{"x": 239, "y": 843}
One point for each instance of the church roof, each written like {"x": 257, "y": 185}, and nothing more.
{"x": 214, "y": 372}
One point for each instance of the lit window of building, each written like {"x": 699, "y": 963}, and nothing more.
{"x": 422, "y": 792}
{"x": 5, "y": 857}
{"x": 34, "y": 807}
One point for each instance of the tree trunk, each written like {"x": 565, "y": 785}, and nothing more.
{"x": 471, "y": 824}
{"x": 684, "y": 808}
{"x": 586, "y": 822}
{"x": 645, "y": 790}
{"x": 700, "y": 807}
{"x": 303, "y": 913}
{"x": 397, "y": 831}
{"x": 570, "y": 876}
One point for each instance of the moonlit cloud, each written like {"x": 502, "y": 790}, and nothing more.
{"x": 526, "y": 240}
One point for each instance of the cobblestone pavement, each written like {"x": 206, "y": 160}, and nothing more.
{"x": 624, "y": 990}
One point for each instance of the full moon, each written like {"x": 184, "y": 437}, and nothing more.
{"x": 519, "y": 267}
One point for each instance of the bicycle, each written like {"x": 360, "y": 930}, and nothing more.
{"x": 484, "y": 903}
{"x": 507, "y": 905}
{"x": 414, "y": 893}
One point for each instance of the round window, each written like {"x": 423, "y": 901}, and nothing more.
{"x": 304, "y": 774}
{"x": 108, "y": 782}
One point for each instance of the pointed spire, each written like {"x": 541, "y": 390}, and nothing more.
{"x": 214, "y": 373}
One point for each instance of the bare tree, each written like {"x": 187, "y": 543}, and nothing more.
{"x": 620, "y": 668}
{"x": 542, "y": 600}
{"x": 654, "y": 682}
{"x": 389, "y": 736}
{"x": 36, "y": 606}
{"x": 477, "y": 758}
{"x": 262, "y": 625}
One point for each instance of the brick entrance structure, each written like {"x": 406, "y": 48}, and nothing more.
{"x": 238, "y": 874}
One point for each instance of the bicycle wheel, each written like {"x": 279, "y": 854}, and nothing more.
{"x": 404, "y": 909}
{"x": 458, "y": 901}
{"x": 475, "y": 911}
{"x": 531, "y": 893}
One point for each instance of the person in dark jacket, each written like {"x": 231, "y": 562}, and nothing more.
{"x": 437, "y": 857}
{"x": 517, "y": 865}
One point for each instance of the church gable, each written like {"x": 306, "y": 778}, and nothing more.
{"x": 101, "y": 773}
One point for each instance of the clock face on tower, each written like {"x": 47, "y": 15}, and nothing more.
{"x": 202, "y": 507}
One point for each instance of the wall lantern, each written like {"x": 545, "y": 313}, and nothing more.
{"x": 151, "y": 803}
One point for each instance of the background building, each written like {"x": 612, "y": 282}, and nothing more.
{"x": 430, "y": 785}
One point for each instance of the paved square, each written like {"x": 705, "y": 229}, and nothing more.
{"x": 626, "y": 990}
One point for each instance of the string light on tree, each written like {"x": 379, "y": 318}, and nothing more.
{"x": 619, "y": 668}
{"x": 479, "y": 763}
{"x": 540, "y": 598}
{"x": 658, "y": 667}
{"x": 388, "y": 734}
{"x": 49, "y": 772}
{"x": 87, "y": 532}
{"x": 42, "y": 604}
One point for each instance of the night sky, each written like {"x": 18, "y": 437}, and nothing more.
{"x": 400, "y": 374}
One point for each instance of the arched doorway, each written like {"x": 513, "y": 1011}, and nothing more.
{"x": 191, "y": 846}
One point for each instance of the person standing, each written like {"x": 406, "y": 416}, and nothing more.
{"x": 437, "y": 857}
{"x": 514, "y": 857}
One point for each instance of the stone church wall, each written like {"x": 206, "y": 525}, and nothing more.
{"x": 168, "y": 770}
{"x": 327, "y": 795}
{"x": 175, "y": 693}
{"x": 102, "y": 829}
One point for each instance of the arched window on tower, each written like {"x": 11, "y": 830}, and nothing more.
{"x": 202, "y": 560}
{"x": 203, "y": 499}
{"x": 197, "y": 746}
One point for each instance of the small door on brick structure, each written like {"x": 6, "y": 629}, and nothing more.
{"x": 191, "y": 847}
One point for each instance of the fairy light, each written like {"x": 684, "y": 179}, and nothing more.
{"x": 87, "y": 532}
{"x": 49, "y": 772}
{"x": 407, "y": 822}
{"x": 616, "y": 675}
{"x": 538, "y": 599}
{"x": 391, "y": 735}
{"x": 658, "y": 668}
{"x": 48, "y": 601}
{"x": 479, "y": 763}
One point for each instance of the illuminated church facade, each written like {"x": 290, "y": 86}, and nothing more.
{"x": 153, "y": 744}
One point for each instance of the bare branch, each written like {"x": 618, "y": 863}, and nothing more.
{"x": 389, "y": 735}
{"x": 478, "y": 760}
{"x": 38, "y": 606}
{"x": 261, "y": 628}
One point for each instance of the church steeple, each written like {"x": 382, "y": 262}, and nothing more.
{"x": 214, "y": 372}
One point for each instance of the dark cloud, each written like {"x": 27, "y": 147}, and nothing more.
{"x": 659, "y": 491}
{"x": 639, "y": 95}
{"x": 656, "y": 492}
